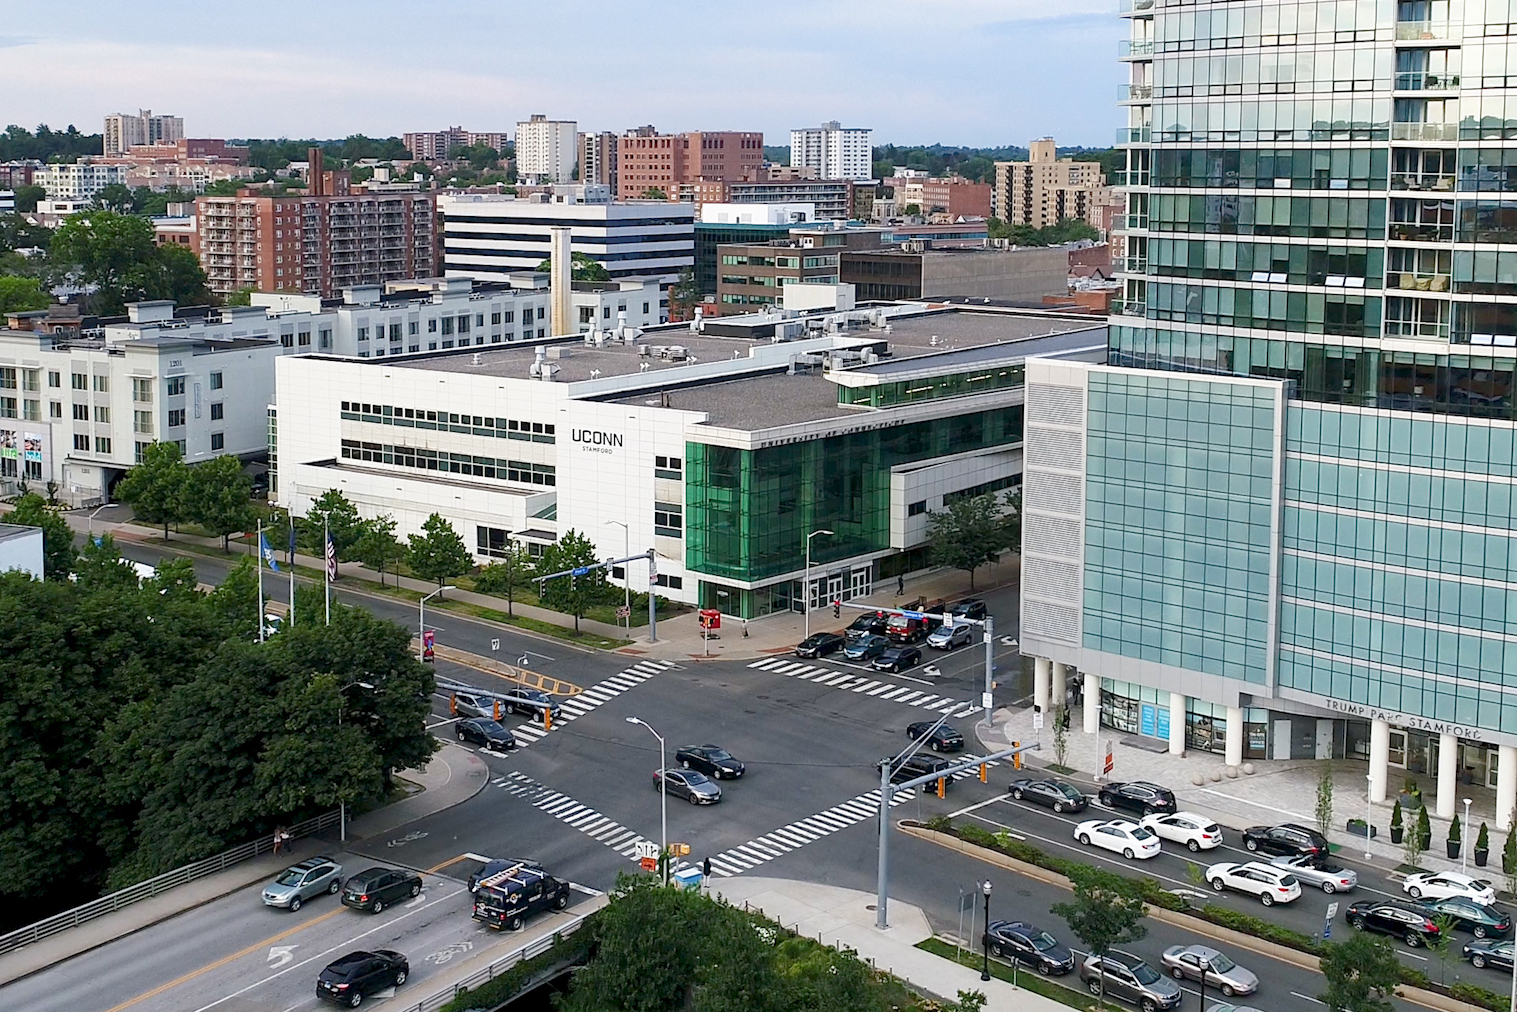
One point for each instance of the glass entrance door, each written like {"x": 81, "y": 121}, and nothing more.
{"x": 1398, "y": 748}
{"x": 834, "y": 588}
{"x": 858, "y": 583}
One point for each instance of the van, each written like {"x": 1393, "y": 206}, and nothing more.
{"x": 906, "y": 629}
{"x": 503, "y": 900}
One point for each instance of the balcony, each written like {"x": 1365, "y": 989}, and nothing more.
{"x": 1411, "y": 231}
{"x": 1129, "y": 222}
{"x": 1421, "y": 81}
{"x": 1434, "y": 132}
{"x": 1435, "y": 181}
{"x": 1408, "y": 282}
{"x": 1140, "y": 49}
{"x": 1130, "y": 265}
{"x": 1120, "y": 307}
{"x": 1426, "y": 31}
{"x": 1134, "y": 135}
{"x": 1135, "y": 92}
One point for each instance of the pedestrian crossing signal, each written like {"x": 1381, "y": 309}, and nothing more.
{"x": 679, "y": 849}
{"x": 942, "y": 787}
{"x": 837, "y": 609}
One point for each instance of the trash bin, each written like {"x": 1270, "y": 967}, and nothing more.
{"x": 688, "y": 878}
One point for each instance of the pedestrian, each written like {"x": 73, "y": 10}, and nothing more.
{"x": 900, "y": 585}
{"x": 280, "y": 836}
{"x": 745, "y": 628}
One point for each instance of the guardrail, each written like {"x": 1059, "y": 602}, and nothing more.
{"x": 47, "y": 927}
{"x": 495, "y": 969}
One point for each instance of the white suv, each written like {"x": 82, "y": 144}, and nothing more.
{"x": 1272, "y": 885}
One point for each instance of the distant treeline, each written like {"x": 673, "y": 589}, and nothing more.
{"x": 46, "y": 144}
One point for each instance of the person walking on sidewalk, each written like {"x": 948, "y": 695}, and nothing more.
{"x": 900, "y": 585}
{"x": 281, "y": 841}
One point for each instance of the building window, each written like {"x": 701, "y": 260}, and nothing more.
{"x": 142, "y": 421}
{"x": 218, "y": 440}
{"x": 668, "y": 467}
{"x": 79, "y": 381}
{"x": 509, "y": 316}
{"x": 363, "y": 333}
{"x": 495, "y": 319}
{"x": 645, "y": 309}
{"x": 29, "y": 379}
{"x": 182, "y": 446}
{"x": 81, "y": 412}
{"x": 447, "y": 325}
{"x": 492, "y": 542}
{"x": 176, "y": 386}
{"x": 586, "y": 314}
{"x": 140, "y": 450}
{"x": 176, "y": 417}
{"x": 303, "y": 339}
{"x": 411, "y": 328}
{"x": 541, "y": 312}
{"x": 215, "y": 381}
{"x": 432, "y": 326}
{"x": 917, "y": 508}
{"x": 82, "y": 443}
{"x": 142, "y": 389}
{"x": 102, "y": 445}
{"x": 102, "y": 384}
{"x": 218, "y": 411}
{"x": 671, "y": 582}
{"x": 394, "y": 332}
{"x": 668, "y": 519}
{"x": 463, "y": 323}
{"x": 413, "y": 347}
{"x": 102, "y": 414}
{"x": 54, "y": 379}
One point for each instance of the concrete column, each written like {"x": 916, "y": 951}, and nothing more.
{"x": 1177, "y": 723}
{"x": 1093, "y": 704}
{"x": 1058, "y": 693}
{"x": 1448, "y": 775}
{"x": 1380, "y": 758}
{"x": 1506, "y": 786}
{"x": 1234, "y": 736}
{"x": 1042, "y": 669}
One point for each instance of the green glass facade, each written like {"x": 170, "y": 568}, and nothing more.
{"x": 748, "y": 511}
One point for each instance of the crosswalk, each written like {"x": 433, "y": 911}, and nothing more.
{"x": 761, "y": 850}
{"x": 581, "y": 703}
{"x": 852, "y": 681}
{"x": 575, "y": 815}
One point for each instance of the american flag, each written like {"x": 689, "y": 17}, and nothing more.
{"x": 331, "y": 557}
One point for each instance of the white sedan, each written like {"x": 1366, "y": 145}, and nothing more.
{"x": 1448, "y": 885}
{"x": 1129, "y": 839}
{"x": 1195, "y": 831}
{"x": 1270, "y": 884}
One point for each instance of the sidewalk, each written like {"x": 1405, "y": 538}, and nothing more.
{"x": 452, "y": 777}
{"x": 844, "y": 919}
{"x": 1276, "y": 791}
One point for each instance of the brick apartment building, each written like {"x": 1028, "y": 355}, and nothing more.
{"x": 434, "y": 145}
{"x": 647, "y": 159}
{"x": 957, "y": 198}
{"x": 318, "y": 242}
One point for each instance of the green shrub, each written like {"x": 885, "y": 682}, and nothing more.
{"x": 497, "y": 991}
{"x": 1477, "y": 995}
{"x": 1258, "y": 927}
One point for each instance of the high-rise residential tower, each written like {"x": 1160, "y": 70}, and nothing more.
{"x": 546, "y": 149}
{"x": 834, "y": 151}
{"x": 1279, "y": 522}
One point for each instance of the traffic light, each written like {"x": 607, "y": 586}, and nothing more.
{"x": 453, "y": 704}
{"x": 679, "y": 850}
{"x": 1016, "y": 760}
{"x": 984, "y": 773}
{"x": 837, "y": 609}
{"x": 942, "y": 787}
{"x": 497, "y": 711}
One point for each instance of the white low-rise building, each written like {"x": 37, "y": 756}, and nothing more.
{"x": 21, "y": 548}
{"x": 80, "y": 180}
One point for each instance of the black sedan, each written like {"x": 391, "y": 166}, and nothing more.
{"x": 1497, "y": 954}
{"x": 486, "y": 732}
{"x": 1055, "y": 794}
{"x": 820, "y": 644}
{"x": 941, "y": 739}
{"x": 712, "y": 760}
{"x": 1138, "y": 796}
{"x": 1288, "y": 838}
{"x": 1030, "y": 946}
{"x": 692, "y": 786}
{"x": 1408, "y": 921}
{"x": 898, "y": 659}
{"x": 1478, "y": 919}
{"x": 347, "y": 981}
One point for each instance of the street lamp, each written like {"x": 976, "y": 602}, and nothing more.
{"x": 421, "y": 621}
{"x": 985, "y": 951}
{"x": 1465, "y": 850}
{"x": 626, "y": 577}
{"x": 91, "y": 520}
{"x": 806, "y": 588}
{"x": 663, "y": 799}
{"x": 342, "y": 803}
{"x": 1205, "y": 965}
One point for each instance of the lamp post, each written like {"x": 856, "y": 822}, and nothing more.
{"x": 421, "y": 621}
{"x": 1369, "y": 812}
{"x": 342, "y": 803}
{"x": 91, "y": 520}
{"x": 806, "y": 588}
{"x": 663, "y": 799}
{"x": 1463, "y": 850}
{"x": 626, "y": 577}
{"x": 1205, "y": 969}
{"x": 985, "y": 942}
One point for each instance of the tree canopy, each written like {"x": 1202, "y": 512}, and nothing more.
{"x": 1362, "y": 973}
{"x": 57, "y": 537}
{"x": 971, "y": 531}
{"x": 438, "y": 553}
{"x": 115, "y": 254}
{"x": 1107, "y": 909}
{"x": 584, "y": 268}
{"x": 18, "y": 294}
{"x": 1067, "y": 230}
{"x": 158, "y": 489}
{"x": 47, "y": 145}
{"x": 341, "y": 520}
{"x": 571, "y": 594}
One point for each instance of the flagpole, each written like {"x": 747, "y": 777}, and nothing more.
{"x": 259, "y": 549}
{"x": 326, "y": 566}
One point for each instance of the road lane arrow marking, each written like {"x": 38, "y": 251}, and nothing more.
{"x": 420, "y": 898}
{"x": 279, "y": 955}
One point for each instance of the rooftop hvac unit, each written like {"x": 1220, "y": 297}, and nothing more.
{"x": 478, "y": 358}
{"x": 643, "y": 351}
{"x": 676, "y": 353}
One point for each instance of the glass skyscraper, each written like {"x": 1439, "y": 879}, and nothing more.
{"x": 1279, "y": 522}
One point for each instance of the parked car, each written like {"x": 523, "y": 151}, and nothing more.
{"x": 497, "y": 866}
{"x": 350, "y": 979}
{"x": 1410, "y": 922}
{"x": 1188, "y": 962}
{"x": 532, "y": 702}
{"x": 898, "y": 659}
{"x": 1197, "y": 832}
{"x": 1029, "y": 945}
{"x": 1125, "y": 976}
{"x": 949, "y": 637}
{"x": 504, "y": 900}
{"x": 970, "y": 607}
{"x": 1445, "y": 884}
{"x": 471, "y": 703}
{"x": 1287, "y": 838}
{"x": 688, "y": 784}
{"x": 1055, "y": 794}
{"x": 712, "y": 760}
{"x": 1137, "y": 796}
{"x": 1497, "y": 954}
{"x": 940, "y": 739}
{"x": 1330, "y": 878}
{"x": 918, "y": 765}
{"x": 1129, "y": 839}
{"x": 375, "y": 888}
{"x": 1270, "y": 884}
{"x": 866, "y": 648}
{"x": 869, "y": 623}
{"x": 486, "y": 732}
{"x": 1480, "y": 919}
{"x": 820, "y": 644}
{"x": 303, "y": 881}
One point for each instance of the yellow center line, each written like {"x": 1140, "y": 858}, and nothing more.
{"x": 224, "y": 960}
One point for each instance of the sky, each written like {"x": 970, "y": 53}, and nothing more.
{"x": 959, "y": 72}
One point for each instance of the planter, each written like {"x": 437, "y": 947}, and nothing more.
{"x": 1453, "y": 848}
{"x": 1357, "y": 827}
{"x": 1410, "y": 801}
{"x": 1480, "y": 858}
{"x": 1397, "y": 832}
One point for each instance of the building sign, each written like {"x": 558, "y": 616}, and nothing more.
{"x": 1403, "y": 720}
{"x": 596, "y": 441}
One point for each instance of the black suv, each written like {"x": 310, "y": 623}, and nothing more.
{"x": 970, "y": 607}
{"x": 870, "y": 623}
{"x": 712, "y": 760}
{"x": 820, "y": 644}
{"x": 531, "y": 702}
{"x": 348, "y": 980}
{"x": 373, "y": 889}
{"x": 1289, "y": 838}
{"x": 918, "y": 765}
{"x": 1030, "y": 946}
{"x": 942, "y": 739}
{"x": 486, "y": 732}
{"x": 1138, "y": 796}
{"x": 1409, "y": 922}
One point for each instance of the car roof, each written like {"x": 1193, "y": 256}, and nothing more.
{"x": 1126, "y": 959}
{"x": 377, "y": 869}
{"x": 314, "y": 862}
{"x": 343, "y": 962}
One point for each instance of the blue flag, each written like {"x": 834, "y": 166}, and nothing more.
{"x": 268, "y": 553}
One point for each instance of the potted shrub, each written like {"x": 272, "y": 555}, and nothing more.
{"x": 1482, "y": 846}
{"x": 1455, "y": 838}
{"x": 1424, "y": 829}
{"x": 1397, "y": 829}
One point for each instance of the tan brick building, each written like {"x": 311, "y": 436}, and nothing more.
{"x": 1046, "y": 189}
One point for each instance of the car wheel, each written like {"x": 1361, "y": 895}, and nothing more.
{"x": 561, "y": 902}
{"x": 1085, "y": 839}
{"x": 1357, "y": 923}
{"x": 400, "y": 978}
{"x": 1045, "y": 969}
{"x": 1093, "y": 986}
{"x": 334, "y": 887}
{"x": 1479, "y": 931}
{"x": 1147, "y": 1005}
{"x": 1413, "y": 940}
{"x": 415, "y": 889}
{"x": 1058, "y": 807}
{"x": 1267, "y": 899}
{"x": 1127, "y": 853}
{"x": 514, "y": 924}
{"x": 1193, "y": 845}
{"x": 460, "y": 736}
{"x": 1414, "y": 893}
{"x": 356, "y": 1000}
{"x": 996, "y": 950}
{"x": 1218, "y": 885}
{"x": 1477, "y": 960}
{"x": 694, "y": 799}
{"x": 1329, "y": 888}
{"x": 1017, "y": 793}
{"x": 294, "y": 904}
{"x": 935, "y": 747}
{"x": 1227, "y": 990}
{"x": 1177, "y": 973}
{"x": 1251, "y": 844}
{"x": 376, "y": 906}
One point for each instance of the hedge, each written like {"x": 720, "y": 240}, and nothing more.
{"x": 498, "y": 990}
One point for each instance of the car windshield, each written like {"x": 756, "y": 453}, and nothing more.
{"x": 1288, "y": 880}
{"x": 1144, "y": 973}
{"x": 1221, "y": 964}
{"x": 290, "y": 877}
{"x": 695, "y": 779}
{"x": 1042, "y": 941}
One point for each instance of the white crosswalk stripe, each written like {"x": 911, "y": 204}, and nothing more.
{"x": 577, "y": 816}
{"x": 747, "y": 856}
{"x": 602, "y": 692}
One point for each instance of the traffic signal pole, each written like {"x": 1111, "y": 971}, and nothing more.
{"x": 649, "y": 556}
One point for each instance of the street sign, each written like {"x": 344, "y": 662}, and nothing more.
{"x": 495, "y": 644}
{"x": 1037, "y": 720}
{"x": 623, "y": 611}
{"x": 986, "y": 700}
{"x": 1327, "y": 922}
{"x": 911, "y": 614}
{"x": 1110, "y": 764}
{"x": 648, "y": 863}
{"x": 579, "y": 570}
{"x": 646, "y": 849}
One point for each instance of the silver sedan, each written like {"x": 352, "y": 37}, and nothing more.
{"x": 1330, "y": 878}
{"x": 1187, "y": 962}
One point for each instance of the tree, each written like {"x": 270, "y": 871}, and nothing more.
{"x": 571, "y": 594}
{"x": 241, "y": 297}
{"x": 19, "y": 294}
{"x": 1509, "y": 854}
{"x": 1107, "y": 910}
{"x": 331, "y": 513}
{"x": 180, "y": 277}
{"x": 1438, "y": 943}
{"x": 114, "y": 252}
{"x": 99, "y": 564}
{"x": 583, "y": 268}
{"x": 1324, "y": 811}
{"x": 219, "y": 498}
{"x": 1362, "y": 974}
{"x": 513, "y": 570}
{"x": 57, "y": 537}
{"x": 1060, "y": 734}
{"x": 438, "y": 552}
{"x": 27, "y": 197}
{"x": 911, "y": 209}
{"x": 684, "y": 296}
{"x": 1011, "y": 519}
{"x": 1424, "y": 829}
{"x": 378, "y": 547}
{"x": 158, "y": 488}
{"x": 967, "y": 534}
{"x": 654, "y": 193}
{"x": 113, "y": 197}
